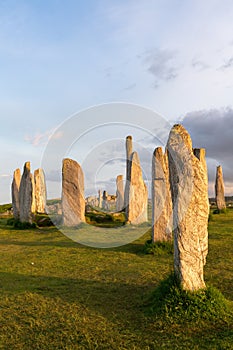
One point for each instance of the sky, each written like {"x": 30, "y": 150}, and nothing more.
{"x": 173, "y": 57}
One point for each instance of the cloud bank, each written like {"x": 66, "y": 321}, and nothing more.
{"x": 213, "y": 130}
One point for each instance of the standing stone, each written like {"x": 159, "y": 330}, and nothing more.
{"x": 136, "y": 210}
{"x": 73, "y": 200}
{"x": 105, "y": 200}
{"x": 15, "y": 193}
{"x": 26, "y": 195}
{"x": 161, "y": 198}
{"x": 189, "y": 188}
{"x": 129, "y": 151}
{"x": 100, "y": 199}
{"x": 33, "y": 195}
{"x": 119, "y": 193}
{"x": 219, "y": 189}
{"x": 40, "y": 191}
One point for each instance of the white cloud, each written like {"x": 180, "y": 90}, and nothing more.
{"x": 40, "y": 139}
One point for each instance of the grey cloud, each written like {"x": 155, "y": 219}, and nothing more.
{"x": 213, "y": 130}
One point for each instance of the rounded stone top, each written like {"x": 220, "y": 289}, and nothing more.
{"x": 129, "y": 137}
{"x": 158, "y": 151}
{"x": 180, "y": 130}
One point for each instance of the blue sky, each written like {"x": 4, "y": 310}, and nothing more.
{"x": 57, "y": 58}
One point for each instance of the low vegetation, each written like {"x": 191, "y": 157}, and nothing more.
{"x": 58, "y": 294}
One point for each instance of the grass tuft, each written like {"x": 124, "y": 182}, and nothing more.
{"x": 20, "y": 225}
{"x": 158, "y": 248}
{"x": 178, "y": 305}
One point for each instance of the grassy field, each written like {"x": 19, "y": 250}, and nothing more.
{"x": 57, "y": 294}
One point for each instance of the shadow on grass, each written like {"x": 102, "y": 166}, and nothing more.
{"x": 107, "y": 298}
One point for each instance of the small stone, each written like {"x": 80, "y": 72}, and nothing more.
{"x": 219, "y": 189}
{"x": 15, "y": 193}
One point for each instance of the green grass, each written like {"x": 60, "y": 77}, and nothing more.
{"x": 58, "y": 294}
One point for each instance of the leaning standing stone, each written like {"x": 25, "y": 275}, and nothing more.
{"x": 136, "y": 211}
{"x": 26, "y": 194}
{"x": 40, "y": 191}
{"x": 15, "y": 193}
{"x": 189, "y": 188}
{"x": 161, "y": 198}
{"x": 73, "y": 200}
{"x": 119, "y": 193}
{"x": 219, "y": 189}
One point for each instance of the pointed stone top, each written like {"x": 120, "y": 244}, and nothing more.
{"x": 135, "y": 158}
{"x": 199, "y": 153}
{"x": 27, "y": 166}
{"x": 219, "y": 172}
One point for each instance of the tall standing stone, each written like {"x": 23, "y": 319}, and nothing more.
{"x": 129, "y": 151}
{"x": 136, "y": 210}
{"x": 161, "y": 198}
{"x": 219, "y": 189}
{"x": 119, "y": 193}
{"x": 189, "y": 188}
{"x": 15, "y": 193}
{"x": 26, "y": 194}
{"x": 73, "y": 200}
{"x": 40, "y": 191}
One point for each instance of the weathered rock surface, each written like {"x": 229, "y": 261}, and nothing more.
{"x": 26, "y": 194}
{"x": 136, "y": 210}
{"x": 189, "y": 188}
{"x": 219, "y": 189}
{"x": 40, "y": 191}
{"x": 73, "y": 200}
{"x": 15, "y": 193}
{"x": 119, "y": 193}
{"x": 161, "y": 198}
